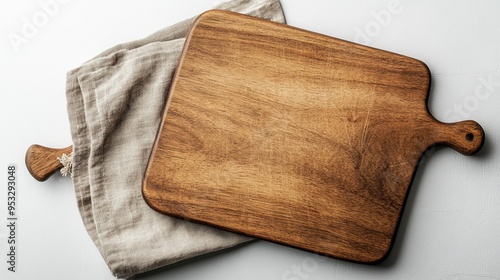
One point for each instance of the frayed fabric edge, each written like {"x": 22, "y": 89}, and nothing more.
{"x": 67, "y": 162}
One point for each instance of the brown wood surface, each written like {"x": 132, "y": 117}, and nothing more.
{"x": 42, "y": 161}
{"x": 295, "y": 137}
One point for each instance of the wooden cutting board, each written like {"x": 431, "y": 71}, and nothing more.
{"x": 294, "y": 137}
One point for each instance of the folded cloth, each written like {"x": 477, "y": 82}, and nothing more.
{"x": 115, "y": 103}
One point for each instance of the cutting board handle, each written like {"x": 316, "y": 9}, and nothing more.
{"x": 466, "y": 137}
{"x": 42, "y": 161}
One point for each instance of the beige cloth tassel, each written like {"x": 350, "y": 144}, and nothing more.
{"x": 67, "y": 162}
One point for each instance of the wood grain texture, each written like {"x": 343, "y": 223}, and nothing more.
{"x": 42, "y": 161}
{"x": 295, "y": 137}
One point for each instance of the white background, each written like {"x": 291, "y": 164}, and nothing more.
{"x": 451, "y": 224}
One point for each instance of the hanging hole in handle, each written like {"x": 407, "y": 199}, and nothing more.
{"x": 469, "y": 137}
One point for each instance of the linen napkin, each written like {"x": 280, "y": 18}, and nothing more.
{"x": 115, "y": 103}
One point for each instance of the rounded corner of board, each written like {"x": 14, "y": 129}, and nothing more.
{"x": 148, "y": 197}
{"x": 377, "y": 258}
{"x": 424, "y": 68}
{"x": 208, "y": 15}
{"x": 145, "y": 191}
{"x": 380, "y": 258}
